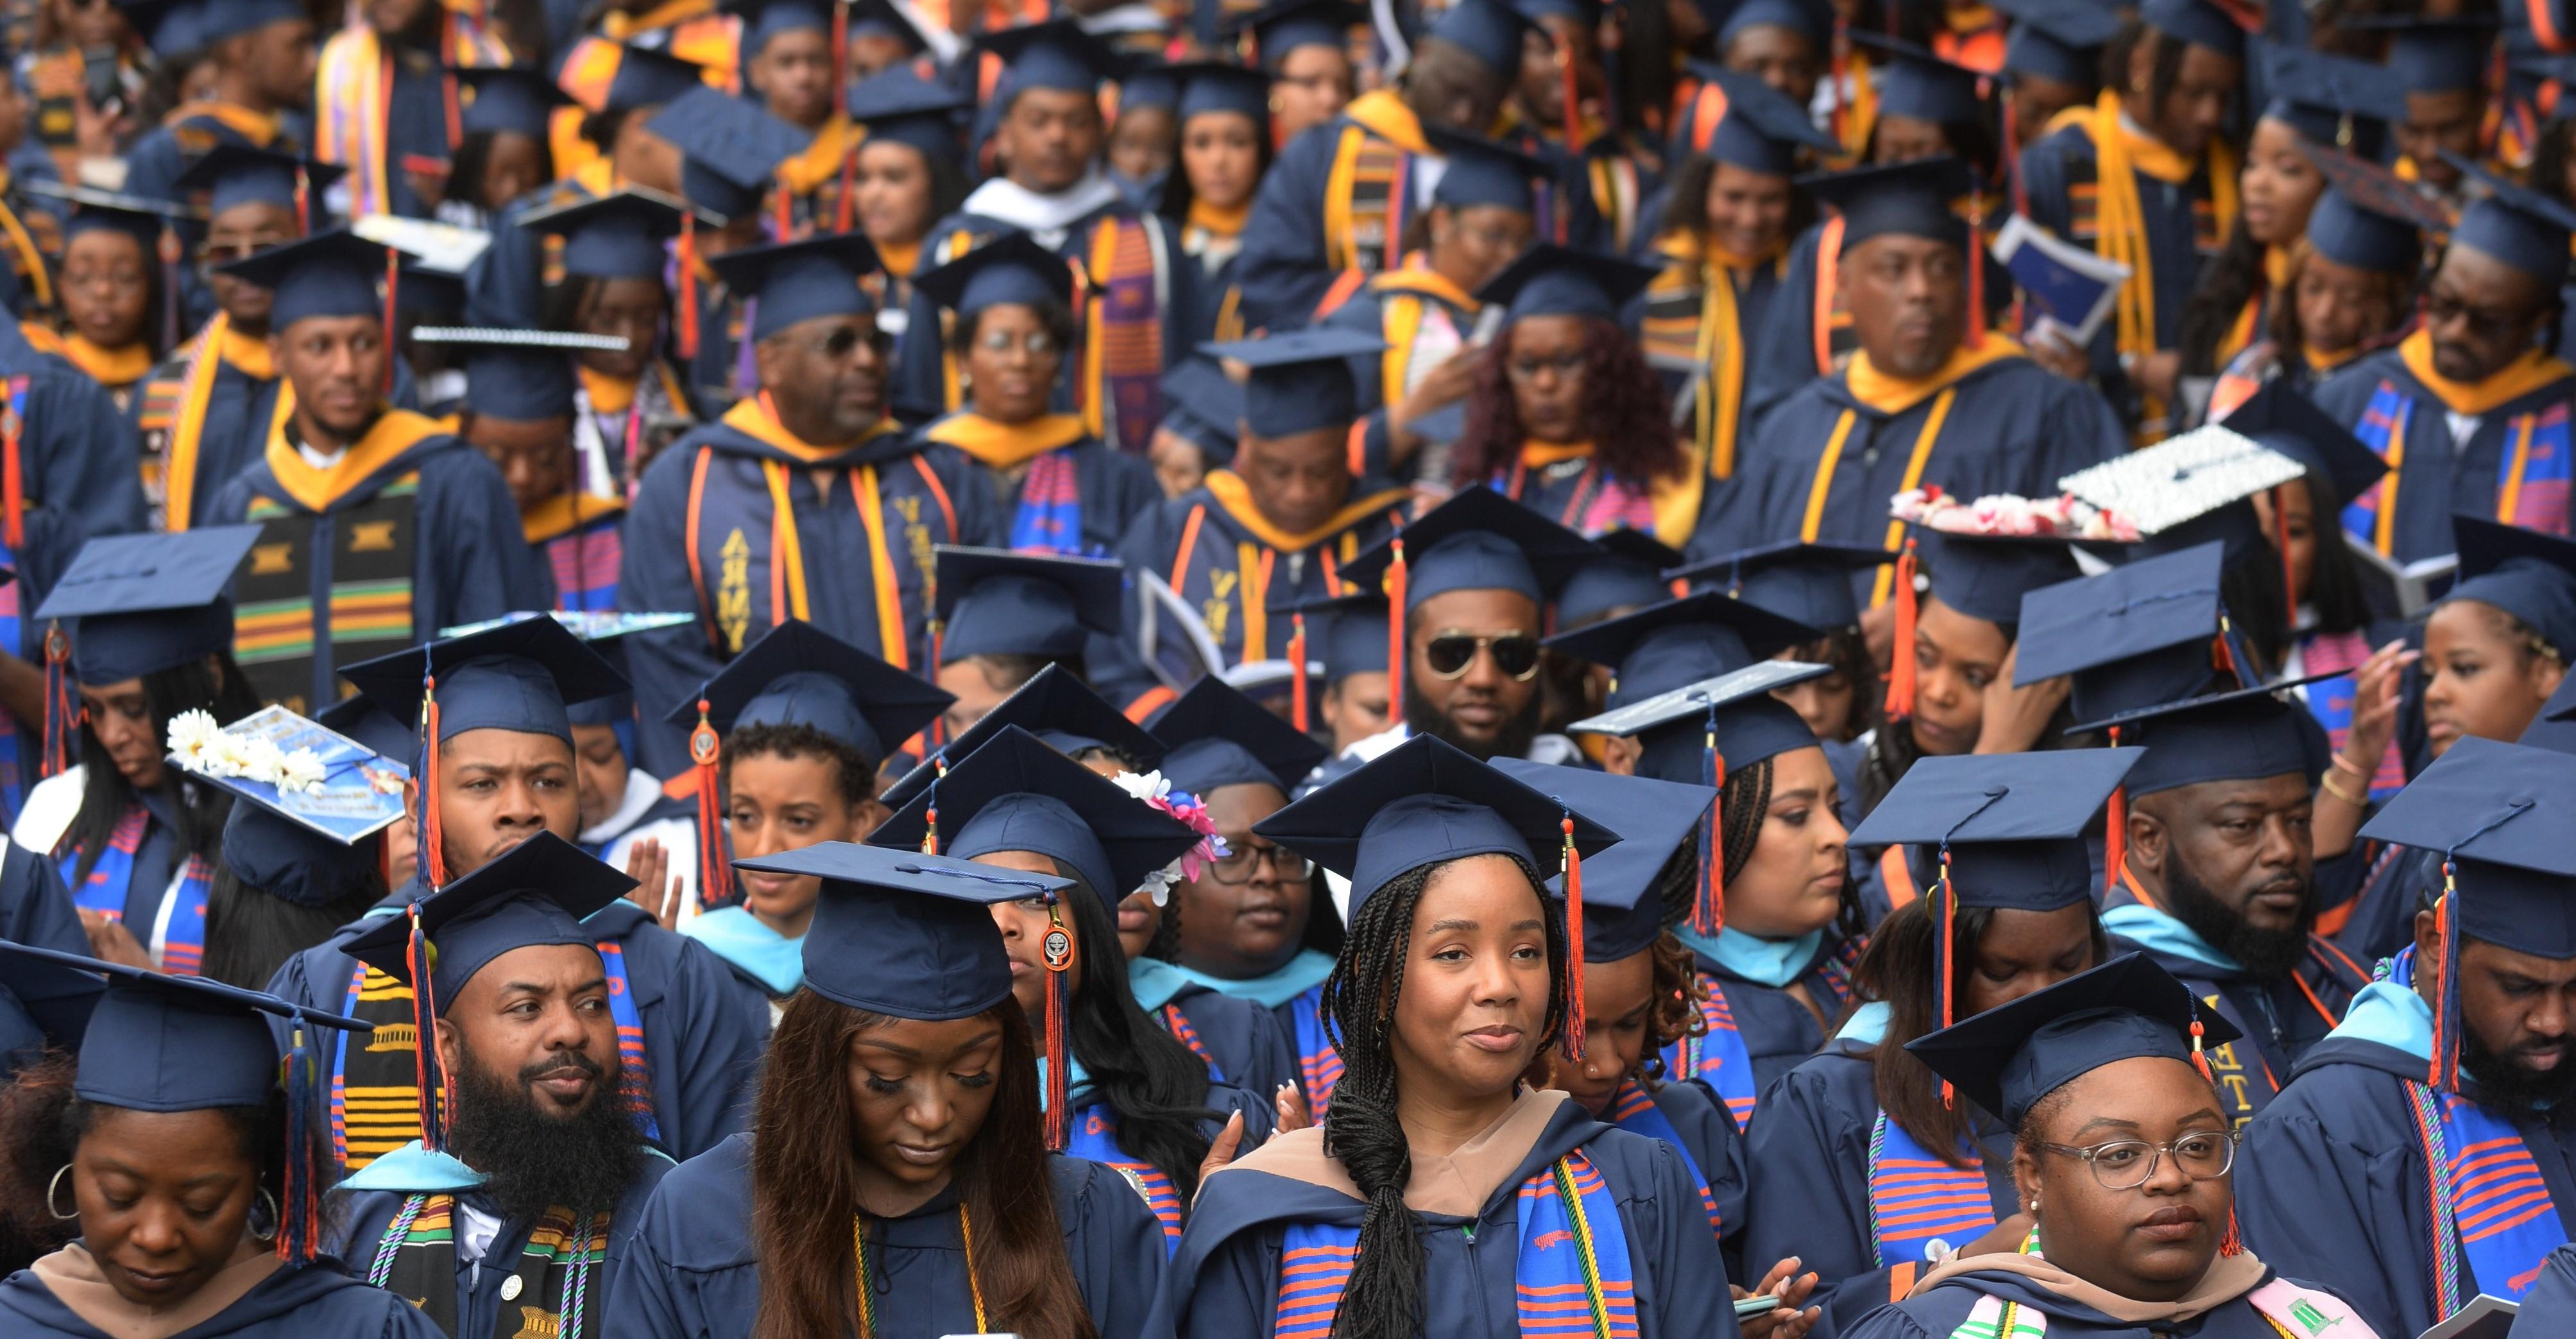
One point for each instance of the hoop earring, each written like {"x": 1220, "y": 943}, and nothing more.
{"x": 50, "y": 1188}
{"x": 267, "y": 1232}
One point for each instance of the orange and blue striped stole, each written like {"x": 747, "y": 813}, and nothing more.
{"x": 1571, "y": 1278}
{"x": 1318, "y": 1063}
{"x": 1919, "y": 1206}
{"x": 630, "y": 1037}
{"x": 1049, "y": 516}
{"x": 2532, "y": 479}
{"x": 1178, "y": 1024}
{"x": 1094, "y": 1138}
{"x": 1633, "y": 1109}
{"x": 2490, "y": 1206}
{"x": 1717, "y": 1058}
{"x": 110, "y": 883}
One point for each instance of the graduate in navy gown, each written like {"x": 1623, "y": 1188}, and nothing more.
{"x": 607, "y": 261}
{"x": 518, "y": 411}
{"x": 805, "y": 719}
{"x": 689, "y": 1031}
{"x": 384, "y": 528}
{"x": 746, "y": 521}
{"x": 1278, "y": 522}
{"x": 1250, "y": 934}
{"x": 2121, "y": 1163}
{"x": 175, "y": 1142}
{"x": 900, "y": 1096}
{"x": 1130, "y": 1094}
{"x": 1000, "y": 617}
{"x": 513, "y": 1205}
{"x": 1867, "y": 1174}
{"x": 2336, "y": 1180}
{"x": 1559, "y": 1219}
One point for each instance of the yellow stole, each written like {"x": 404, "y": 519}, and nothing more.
{"x": 1218, "y": 222}
{"x": 1400, "y": 293}
{"x": 608, "y": 395}
{"x": 1004, "y": 446}
{"x": 1894, "y": 395}
{"x": 259, "y": 129}
{"x": 758, "y": 419}
{"x": 2521, "y": 377}
{"x": 620, "y": 26}
{"x": 1384, "y": 115}
{"x": 1540, "y": 455}
{"x": 394, "y": 432}
{"x": 821, "y": 161}
{"x": 31, "y": 258}
{"x": 564, "y": 513}
{"x": 2242, "y": 334}
{"x": 1231, "y": 493}
{"x": 2120, "y": 232}
{"x": 219, "y": 343}
{"x": 899, "y": 257}
{"x": 109, "y": 367}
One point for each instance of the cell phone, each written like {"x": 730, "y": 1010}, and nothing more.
{"x": 1759, "y": 1304}
{"x": 99, "y": 76}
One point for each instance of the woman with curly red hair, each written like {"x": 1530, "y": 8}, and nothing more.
{"x": 1566, "y": 417}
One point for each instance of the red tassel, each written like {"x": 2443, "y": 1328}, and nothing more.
{"x": 1976, "y": 264}
{"x": 1949, "y": 969}
{"x": 1573, "y": 943}
{"x": 715, "y": 874}
{"x": 59, "y": 721}
{"x": 432, "y": 857}
{"x": 2289, "y": 578}
{"x": 2441, "y": 1020}
{"x": 13, "y": 474}
{"x": 841, "y": 79}
{"x": 844, "y": 209}
{"x": 1297, "y": 676}
{"x": 1900, "y": 668}
{"x": 1573, "y": 115}
{"x": 2221, "y": 657}
{"x": 930, "y": 831}
{"x": 1395, "y": 650}
{"x": 393, "y": 281}
{"x": 2115, "y": 833}
{"x": 1057, "y": 949}
{"x": 1710, "y": 916}
{"x": 303, "y": 201}
{"x": 689, "y": 283}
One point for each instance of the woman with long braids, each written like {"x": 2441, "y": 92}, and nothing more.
{"x": 2120, "y": 1172}
{"x": 1128, "y": 1093}
{"x": 1868, "y": 1174}
{"x": 1566, "y": 418}
{"x": 1442, "y": 1193}
{"x": 901, "y": 1097}
{"x": 168, "y": 1148}
{"x": 151, "y": 634}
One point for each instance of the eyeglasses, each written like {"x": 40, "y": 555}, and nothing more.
{"x": 239, "y": 248}
{"x": 2483, "y": 322}
{"x": 1242, "y": 858}
{"x": 2127, "y": 1164}
{"x": 1450, "y": 653}
{"x": 1038, "y": 343}
{"x": 845, "y": 340}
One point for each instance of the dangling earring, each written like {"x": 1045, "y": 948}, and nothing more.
{"x": 264, "y": 1227}
{"x": 50, "y": 1188}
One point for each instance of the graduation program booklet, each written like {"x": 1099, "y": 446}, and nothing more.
{"x": 2395, "y": 589}
{"x": 1177, "y": 646}
{"x": 2069, "y": 287}
{"x": 2485, "y": 1317}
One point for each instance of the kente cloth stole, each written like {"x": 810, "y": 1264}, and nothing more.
{"x": 1717, "y": 1058}
{"x": 560, "y": 1271}
{"x": 1094, "y": 1137}
{"x": 325, "y": 591}
{"x": 1921, "y": 1208}
{"x": 2532, "y": 479}
{"x": 1123, "y": 334}
{"x": 1571, "y": 1276}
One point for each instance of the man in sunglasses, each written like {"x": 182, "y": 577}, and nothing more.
{"x": 1474, "y": 576}
{"x": 862, "y": 508}
{"x": 2459, "y": 406}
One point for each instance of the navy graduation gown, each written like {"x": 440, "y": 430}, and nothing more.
{"x": 364, "y": 1217}
{"x": 35, "y": 907}
{"x": 1812, "y": 1198}
{"x": 689, "y": 1271}
{"x": 1706, "y": 1136}
{"x": 1228, "y": 562}
{"x": 1289, "y": 258}
{"x": 1111, "y": 488}
{"x": 2514, "y": 467}
{"x": 293, "y": 1303}
{"x": 703, "y": 1031}
{"x": 78, "y": 452}
{"x": 2009, "y": 426}
{"x": 1782, "y": 356}
{"x": 2553, "y": 1298}
{"x": 1424, "y": 319}
{"x": 721, "y": 475}
{"x": 2281, "y": 1017}
{"x": 1224, "y": 1283}
{"x": 2331, "y": 1179}
{"x": 1778, "y": 1032}
{"x": 218, "y": 445}
{"x": 1940, "y": 1311}
{"x": 1242, "y": 1042}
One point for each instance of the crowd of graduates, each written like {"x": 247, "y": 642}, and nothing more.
{"x": 1159, "y": 670}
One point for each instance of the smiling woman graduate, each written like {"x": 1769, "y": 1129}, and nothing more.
{"x": 1438, "y": 1185}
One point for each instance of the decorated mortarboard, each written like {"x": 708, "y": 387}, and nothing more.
{"x": 1219, "y": 737}
{"x": 2332, "y": 100}
{"x": 2525, "y": 573}
{"x": 2198, "y": 22}
{"x": 507, "y": 97}
{"x": 796, "y": 674}
{"x": 616, "y": 236}
{"x": 2009, "y": 1057}
{"x": 1798, "y": 16}
{"x": 1628, "y": 575}
{"x": 2142, "y": 633}
{"x": 1213, "y": 86}
{"x": 1680, "y": 641}
{"x": 1479, "y": 171}
{"x": 729, "y": 148}
{"x": 1283, "y": 27}
{"x": 1756, "y": 128}
{"x": 1055, "y": 54}
{"x": 2058, "y": 39}
{"x": 2494, "y": 814}
{"x": 150, "y": 602}
{"x": 1660, "y": 822}
{"x": 1055, "y": 705}
{"x": 2288, "y": 422}
{"x": 1424, "y": 802}
{"x": 332, "y": 273}
{"x": 522, "y": 375}
{"x": 304, "y": 805}
{"x": 1552, "y": 280}
{"x": 1807, "y": 582}
{"x": 1919, "y": 85}
{"x": 1300, "y": 380}
{"x": 2190, "y": 489}
{"x": 997, "y": 602}
{"x": 904, "y": 934}
{"x": 765, "y": 19}
{"x": 1011, "y": 268}
{"x": 1907, "y": 199}
{"x": 900, "y": 106}
{"x": 1203, "y": 406}
{"x": 2435, "y": 55}
{"x": 2516, "y": 225}
{"x": 801, "y": 281}
{"x": 1488, "y": 30}
{"x": 1017, "y": 793}
{"x": 235, "y": 174}
{"x": 514, "y": 677}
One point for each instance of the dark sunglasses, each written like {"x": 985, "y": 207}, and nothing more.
{"x": 1450, "y": 653}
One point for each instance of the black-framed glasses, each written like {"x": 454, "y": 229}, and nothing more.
{"x": 1243, "y": 859}
{"x": 1450, "y": 653}
{"x": 2483, "y": 322}
{"x": 2126, "y": 1164}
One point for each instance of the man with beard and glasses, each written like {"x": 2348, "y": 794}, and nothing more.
{"x": 2219, "y": 880}
{"x": 2462, "y": 1047}
{"x": 1475, "y": 576}
{"x": 499, "y": 773}
{"x": 504, "y": 1225}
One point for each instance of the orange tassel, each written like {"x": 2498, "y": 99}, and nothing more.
{"x": 2221, "y": 658}
{"x": 433, "y": 856}
{"x": 1297, "y": 674}
{"x": 1900, "y": 669}
{"x": 1395, "y": 650}
{"x": 1710, "y": 915}
{"x": 1573, "y": 114}
{"x": 1057, "y": 951}
{"x": 1947, "y": 987}
{"x": 1976, "y": 264}
{"x": 2115, "y": 834}
{"x": 1573, "y": 943}
{"x": 393, "y": 280}
{"x": 1842, "y": 71}
{"x": 843, "y": 210}
{"x": 689, "y": 283}
{"x": 715, "y": 873}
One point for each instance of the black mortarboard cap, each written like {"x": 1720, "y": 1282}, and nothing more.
{"x": 798, "y": 674}
{"x": 1055, "y": 705}
{"x": 997, "y": 602}
{"x": 904, "y": 934}
{"x": 1219, "y": 737}
{"x": 148, "y": 602}
{"x": 2009, "y": 1057}
{"x": 2013, "y": 823}
{"x": 1015, "y": 793}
